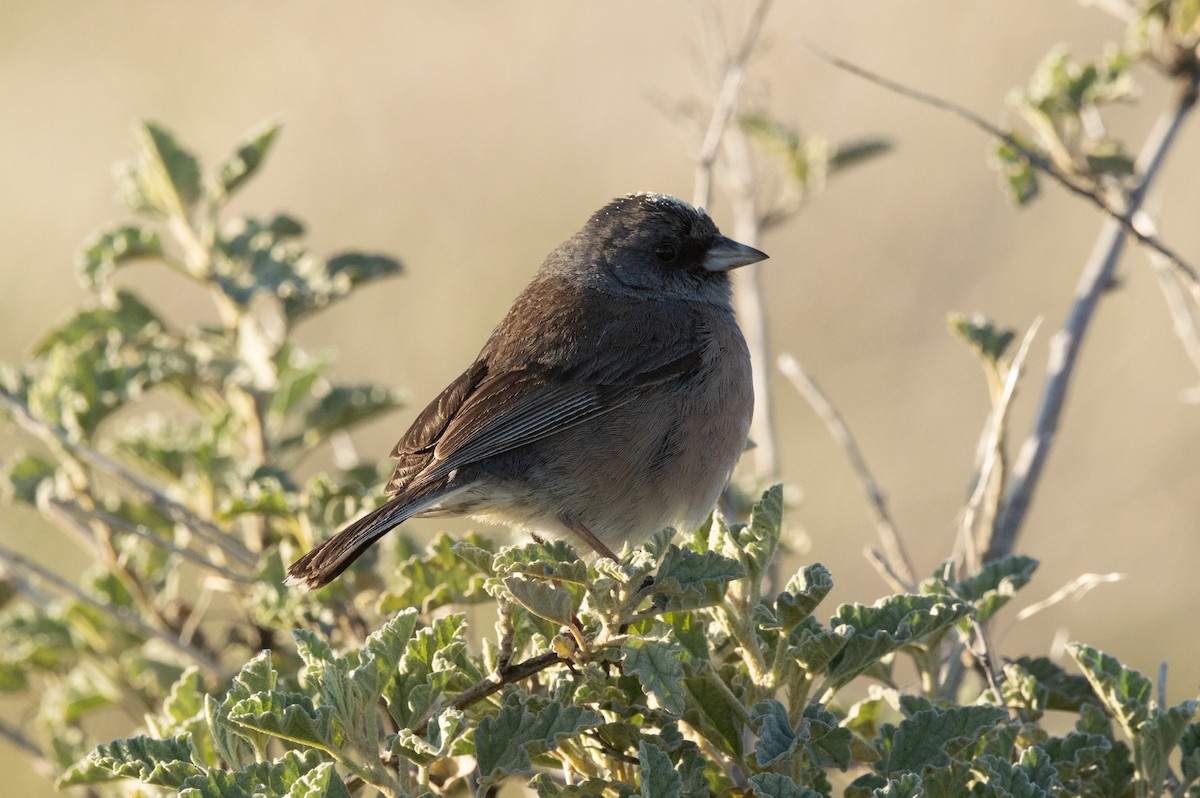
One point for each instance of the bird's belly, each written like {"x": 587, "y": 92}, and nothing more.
{"x": 660, "y": 460}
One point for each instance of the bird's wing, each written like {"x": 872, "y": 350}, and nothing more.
{"x": 482, "y": 414}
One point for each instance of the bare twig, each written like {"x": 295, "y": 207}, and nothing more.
{"x": 747, "y": 229}
{"x": 497, "y": 681}
{"x": 142, "y": 532}
{"x": 897, "y": 566}
{"x": 18, "y": 569}
{"x": 1184, "y": 317}
{"x": 726, "y": 105}
{"x": 177, "y": 512}
{"x": 991, "y": 448}
{"x": 1064, "y": 347}
{"x": 1122, "y": 217}
{"x": 1076, "y": 589}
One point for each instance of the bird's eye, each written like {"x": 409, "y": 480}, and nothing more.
{"x": 665, "y": 252}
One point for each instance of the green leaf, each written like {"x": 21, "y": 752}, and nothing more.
{"x": 999, "y": 778}
{"x": 275, "y": 778}
{"x": 163, "y": 763}
{"x": 383, "y": 649}
{"x": 656, "y": 773}
{"x": 776, "y": 737}
{"x": 995, "y": 584}
{"x": 931, "y": 737}
{"x": 886, "y": 626}
{"x": 1063, "y": 691}
{"x": 320, "y": 782}
{"x": 715, "y": 710}
{"x": 447, "y": 726}
{"x": 555, "y": 560}
{"x": 828, "y": 742}
{"x": 505, "y": 742}
{"x": 774, "y": 785}
{"x": 121, "y": 315}
{"x": 803, "y": 593}
{"x": 164, "y": 178}
{"x": 1124, "y": 691}
{"x": 688, "y": 579}
{"x": 289, "y": 716}
{"x": 655, "y": 663}
{"x": 26, "y": 476}
{"x": 186, "y": 699}
{"x": 1157, "y": 737}
{"x": 814, "y": 648}
{"x": 234, "y": 171}
{"x": 1189, "y": 754}
{"x": 234, "y": 744}
{"x": 542, "y": 598}
{"x": 1018, "y": 175}
{"x": 857, "y": 151}
{"x": 907, "y": 785}
{"x": 110, "y": 247}
{"x": 990, "y": 343}
{"x": 435, "y": 578}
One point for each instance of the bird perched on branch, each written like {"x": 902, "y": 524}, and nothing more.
{"x": 612, "y": 400}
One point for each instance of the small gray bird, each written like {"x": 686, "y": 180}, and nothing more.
{"x": 613, "y": 400}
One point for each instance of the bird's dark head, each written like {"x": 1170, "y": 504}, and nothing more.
{"x": 654, "y": 244}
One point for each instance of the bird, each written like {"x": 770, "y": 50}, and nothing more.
{"x": 613, "y": 399}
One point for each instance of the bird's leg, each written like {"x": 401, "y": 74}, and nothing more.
{"x": 577, "y": 526}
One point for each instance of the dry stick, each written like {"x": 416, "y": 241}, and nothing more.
{"x": 16, "y": 568}
{"x": 993, "y": 437}
{"x": 497, "y": 681}
{"x": 121, "y": 525}
{"x": 1187, "y": 98}
{"x": 177, "y": 512}
{"x": 1184, "y": 318}
{"x": 895, "y": 566}
{"x": 726, "y": 104}
{"x": 747, "y": 228}
{"x": 1097, "y": 276}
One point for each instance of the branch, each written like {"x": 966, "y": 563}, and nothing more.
{"x": 17, "y": 568}
{"x": 1123, "y": 218}
{"x": 992, "y": 450}
{"x": 1184, "y": 318}
{"x": 120, "y": 524}
{"x": 1064, "y": 347}
{"x": 896, "y": 567}
{"x": 747, "y": 228}
{"x": 726, "y": 104}
{"x": 52, "y": 436}
{"x": 497, "y": 681}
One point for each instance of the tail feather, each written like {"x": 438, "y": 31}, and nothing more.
{"x": 324, "y": 563}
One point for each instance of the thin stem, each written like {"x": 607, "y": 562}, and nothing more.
{"x": 1122, "y": 218}
{"x": 497, "y": 681}
{"x": 54, "y": 437}
{"x": 897, "y": 565}
{"x": 726, "y": 104}
{"x": 15, "y": 567}
{"x": 747, "y": 229}
{"x": 977, "y": 537}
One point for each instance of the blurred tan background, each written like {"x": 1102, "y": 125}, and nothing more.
{"x": 470, "y": 139}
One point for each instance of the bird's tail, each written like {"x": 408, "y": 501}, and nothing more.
{"x": 325, "y": 562}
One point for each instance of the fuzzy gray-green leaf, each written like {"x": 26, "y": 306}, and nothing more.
{"x": 655, "y": 663}
{"x": 656, "y": 773}
{"x": 505, "y": 742}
